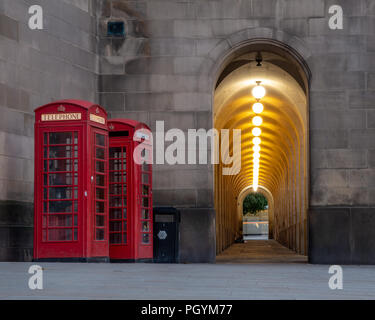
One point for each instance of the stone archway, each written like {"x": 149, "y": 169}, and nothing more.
{"x": 287, "y": 76}
{"x": 268, "y": 195}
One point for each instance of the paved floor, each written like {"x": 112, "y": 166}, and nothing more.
{"x": 291, "y": 279}
{"x": 259, "y": 251}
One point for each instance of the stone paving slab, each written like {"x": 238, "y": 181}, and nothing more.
{"x": 185, "y": 281}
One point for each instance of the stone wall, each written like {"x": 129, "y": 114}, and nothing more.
{"x": 165, "y": 69}
{"x": 36, "y": 67}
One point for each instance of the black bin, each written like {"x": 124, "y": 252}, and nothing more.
{"x": 166, "y": 234}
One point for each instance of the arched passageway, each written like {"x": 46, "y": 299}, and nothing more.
{"x": 283, "y": 165}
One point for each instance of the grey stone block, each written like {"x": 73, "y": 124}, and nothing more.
{"x": 138, "y": 116}
{"x": 329, "y": 178}
{"x": 359, "y": 139}
{"x": 328, "y": 100}
{"x": 197, "y": 246}
{"x": 9, "y": 27}
{"x": 149, "y": 101}
{"x": 180, "y": 120}
{"x": 225, "y": 27}
{"x": 362, "y": 178}
{"x": 295, "y": 26}
{"x": 336, "y": 44}
{"x": 331, "y": 62}
{"x": 371, "y": 158}
{"x": 362, "y": 99}
{"x": 192, "y": 29}
{"x": 325, "y": 246}
{"x": 149, "y": 65}
{"x": 192, "y": 65}
{"x": 112, "y": 101}
{"x": 192, "y": 101}
{"x": 338, "y": 159}
{"x": 172, "y": 47}
{"x": 339, "y": 196}
{"x": 181, "y": 198}
{"x": 175, "y": 10}
{"x": 329, "y": 139}
{"x": 363, "y": 240}
{"x": 153, "y": 29}
{"x": 371, "y": 81}
{"x": 350, "y": 8}
{"x": 205, "y": 198}
{"x": 303, "y": 8}
{"x": 336, "y": 119}
{"x": 336, "y": 80}
{"x": 371, "y": 119}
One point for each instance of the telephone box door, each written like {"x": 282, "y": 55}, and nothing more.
{"x": 120, "y": 206}
{"x": 59, "y": 171}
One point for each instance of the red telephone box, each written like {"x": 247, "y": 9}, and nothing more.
{"x": 71, "y": 182}
{"x": 130, "y": 191}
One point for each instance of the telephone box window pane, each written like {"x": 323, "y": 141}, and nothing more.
{"x": 60, "y": 206}
{"x": 145, "y": 214}
{"x": 100, "y": 153}
{"x": 115, "y": 202}
{"x": 115, "y": 238}
{"x": 100, "y": 180}
{"x": 145, "y": 190}
{"x": 125, "y": 213}
{"x": 115, "y": 176}
{"x": 61, "y": 193}
{"x": 100, "y": 221}
{"x": 45, "y": 179}
{"x": 45, "y": 153}
{"x": 145, "y": 226}
{"x": 115, "y": 189}
{"x": 60, "y": 138}
{"x": 125, "y": 226}
{"x": 45, "y": 193}
{"x": 145, "y": 178}
{"x": 59, "y": 179}
{"x": 75, "y": 234}
{"x": 100, "y": 193}
{"x": 75, "y": 137}
{"x": 59, "y": 234}
{"x": 125, "y": 238}
{"x": 115, "y": 165}
{"x": 76, "y": 221}
{"x": 99, "y": 207}
{"x": 145, "y": 202}
{"x": 44, "y": 221}
{"x": 145, "y": 238}
{"x": 75, "y": 206}
{"x": 99, "y": 234}
{"x": 124, "y": 200}
{"x": 115, "y": 213}
{"x": 115, "y": 152}
{"x": 62, "y": 165}
{"x": 60, "y": 152}
{"x": 100, "y": 140}
{"x": 45, "y": 138}
{"x": 45, "y": 207}
{"x": 145, "y": 167}
{"x": 100, "y": 166}
{"x": 115, "y": 226}
{"x": 44, "y": 235}
{"x": 61, "y": 220}
{"x": 45, "y": 166}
